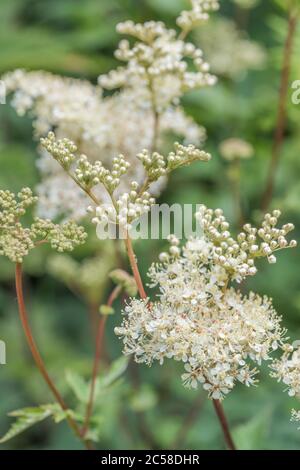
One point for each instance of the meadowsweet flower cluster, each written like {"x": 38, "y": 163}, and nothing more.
{"x": 236, "y": 149}
{"x": 199, "y": 13}
{"x": 219, "y": 334}
{"x": 295, "y": 416}
{"x": 158, "y": 63}
{"x": 160, "y": 67}
{"x": 129, "y": 206}
{"x": 287, "y": 370}
{"x": 126, "y": 206}
{"x": 237, "y": 256}
{"x": 122, "y": 123}
{"x": 16, "y": 240}
{"x": 157, "y": 165}
{"x": 144, "y": 109}
{"x": 228, "y": 50}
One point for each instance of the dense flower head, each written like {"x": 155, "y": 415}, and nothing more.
{"x": 158, "y": 62}
{"x": 91, "y": 120}
{"x": 16, "y": 240}
{"x": 287, "y": 370}
{"x": 220, "y": 335}
{"x": 159, "y": 68}
{"x": 106, "y": 126}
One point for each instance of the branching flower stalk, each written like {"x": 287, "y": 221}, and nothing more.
{"x": 282, "y": 106}
{"x": 200, "y": 319}
{"x": 38, "y": 359}
{"x": 124, "y": 214}
{"x": 16, "y": 241}
{"x": 160, "y": 66}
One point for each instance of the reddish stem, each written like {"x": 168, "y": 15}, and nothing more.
{"x": 35, "y": 352}
{"x": 98, "y": 350}
{"x": 135, "y": 269}
{"x": 143, "y": 295}
{"x": 93, "y": 319}
{"x": 282, "y": 111}
{"x": 224, "y": 424}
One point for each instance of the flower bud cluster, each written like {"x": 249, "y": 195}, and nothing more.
{"x": 199, "y": 13}
{"x": 86, "y": 174}
{"x": 238, "y": 256}
{"x": 156, "y": 165}
{"x": 127, "y": 208}
{"x": 16, "y": 241}
{"x": 91, "y": 174}
{"x": 159, "y": 60}
{"x": 62, "y": 237}
{"x": 62, "y": 150}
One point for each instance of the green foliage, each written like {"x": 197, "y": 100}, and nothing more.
{"x": 27, "y": 417}
{"x": 253, "y": 435}
{"x": 144, "y": 399}
{"x": 116, "y": 370}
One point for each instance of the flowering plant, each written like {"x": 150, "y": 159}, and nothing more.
{"x": 105, "y": 158}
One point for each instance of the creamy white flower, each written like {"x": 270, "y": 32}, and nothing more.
{"x": 219, "y": 334}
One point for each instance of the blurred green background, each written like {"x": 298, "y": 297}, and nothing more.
{"x": 150, "y": 408}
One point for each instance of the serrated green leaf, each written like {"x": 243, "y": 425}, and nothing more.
{"x": 117, "y": 368}
{"x": 78, "y": 385}
{"x": 28, "y": 417}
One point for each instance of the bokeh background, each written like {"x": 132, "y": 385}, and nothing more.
{"x": 149, "y": 408}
